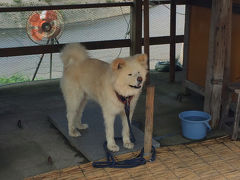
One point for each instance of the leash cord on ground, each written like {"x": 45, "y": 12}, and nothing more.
{"x": 128, "y": 163}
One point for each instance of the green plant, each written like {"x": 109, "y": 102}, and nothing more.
{"x": 14, "y": 79}
{"x": 17, "y": 1}
{"x": 110, "y": 1}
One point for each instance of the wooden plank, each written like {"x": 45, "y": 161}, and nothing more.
{"x": 194, "y": 87}
{"x": 172, "y": 40}
{"x": 149, "y": 121}
{"x": 208, "y": 4}
{"x": 219, "y": 52}
{"x": 198, "y": 44}
{"x": 90, "y": 143}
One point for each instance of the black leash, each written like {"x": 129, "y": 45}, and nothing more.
{"x": 129, "y": 163}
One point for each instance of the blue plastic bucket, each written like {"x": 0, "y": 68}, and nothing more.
{"x": 195, "y": 124}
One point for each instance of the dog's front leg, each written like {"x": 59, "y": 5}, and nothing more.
{"x": 125, "y": 132}
{"x": 109, "y": 129}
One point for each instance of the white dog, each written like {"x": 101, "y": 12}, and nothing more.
{"x": 84, "y": 78}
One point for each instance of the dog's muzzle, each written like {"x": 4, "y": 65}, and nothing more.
{"x": 136, "y": 87}
{"x": 139, "y": 81}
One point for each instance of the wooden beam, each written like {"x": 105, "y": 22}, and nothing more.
{"x": 236, "y": 119}
{"x": 93, "y": 45}
{"x": 218, "y": 54}
{"x": 146, "y": 29}
{"x": 146, "y": 36}
{"x": 136, "y": 27}
{"x": 178, "y": 2}
{"x": 172, "y": 40}
{"x": 41, "y": 49}
{"x": 186, "y": 40}
{"x": 65, "y": 6}
{"x": 165, "y": 40}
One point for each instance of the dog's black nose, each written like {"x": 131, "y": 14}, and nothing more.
{"x": 139, "y": 79}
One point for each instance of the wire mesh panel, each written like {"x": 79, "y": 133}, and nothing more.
{"x": 110, "y": 28}
{"x": 82, "y": 25}
{"x": 180, "y": 19}
{"x": 158, "y": 53}
{"x": 22, "y": 68}
{"x": 108, "y": 55}
{"x": 159, "y": 22}
{"x": 91, "y": 24}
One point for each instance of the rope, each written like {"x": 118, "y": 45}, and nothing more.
{"x": 128, "y": 163}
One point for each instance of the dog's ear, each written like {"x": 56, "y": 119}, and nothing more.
{"x": 142, "y": 59}
{"x": 118, "y": 63}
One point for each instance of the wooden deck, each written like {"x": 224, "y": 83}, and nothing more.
{"x": 211, "y": 159}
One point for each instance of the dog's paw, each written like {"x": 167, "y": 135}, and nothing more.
{"x": 128, "y": 145}
{"x": 74, "y": 133}
{"x": 82, "y": 126}
{"x": 113, "y": 147}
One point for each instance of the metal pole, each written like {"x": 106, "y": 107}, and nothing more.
{"x": 39, "y": 63}
{"x": 52, "y": 43}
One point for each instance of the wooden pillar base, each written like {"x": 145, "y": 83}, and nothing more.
{"x": 149, "y": 121}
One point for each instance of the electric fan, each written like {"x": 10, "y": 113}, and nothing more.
{"x": 45, "y": 27}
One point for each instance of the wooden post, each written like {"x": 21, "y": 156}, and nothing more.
{"x": 146, "y": 29}
{"x": 149, "y": 121}
{"x": 146, "y": 36}
{"x": 172, "y": 40}
{"x": 218, "y": 55}
{"x": 237, "y": 118}
{"x": 186, "y": 41}
{"x": 136, "y": 28}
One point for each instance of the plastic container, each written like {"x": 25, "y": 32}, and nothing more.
{"x": 195, "y": 124}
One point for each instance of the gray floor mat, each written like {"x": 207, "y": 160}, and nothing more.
{"x": 90, "y": 143}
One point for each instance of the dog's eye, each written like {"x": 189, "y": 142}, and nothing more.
{"x": 130, "y": 74}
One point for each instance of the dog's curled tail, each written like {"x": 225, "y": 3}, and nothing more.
{"x": 73, "y": 53}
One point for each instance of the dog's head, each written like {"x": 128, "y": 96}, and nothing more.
{"x": 129, "y": 74}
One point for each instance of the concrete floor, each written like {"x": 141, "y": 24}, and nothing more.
{"x": 25, "y": 151}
